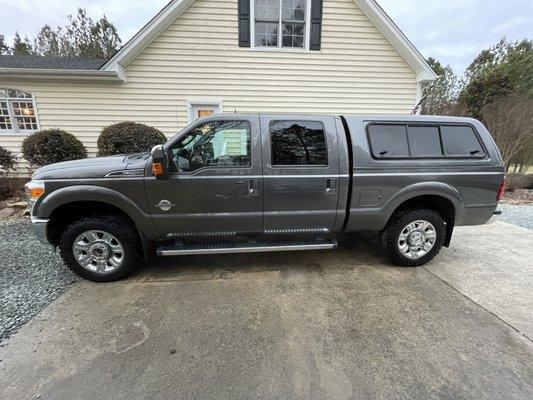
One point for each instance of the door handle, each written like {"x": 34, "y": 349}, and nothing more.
{"x": 253, "y": 189}
{"x": 331, "y": 185}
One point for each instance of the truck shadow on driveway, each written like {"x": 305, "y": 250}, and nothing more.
{"x": 354, "y": 251}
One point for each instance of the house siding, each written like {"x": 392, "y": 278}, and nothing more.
{"x": 198, "y": 58}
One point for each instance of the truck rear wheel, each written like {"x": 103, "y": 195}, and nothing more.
{"x": 413, "y": 237}
{"x": 100, "y": 248}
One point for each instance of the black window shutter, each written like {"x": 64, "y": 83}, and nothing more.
{"x": 316, "y": 24}
{"x": 244, "y": 23}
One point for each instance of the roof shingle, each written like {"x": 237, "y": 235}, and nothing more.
{"x": 45, "y": 62}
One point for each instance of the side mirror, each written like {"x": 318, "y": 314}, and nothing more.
{"x": 160, "y": 162}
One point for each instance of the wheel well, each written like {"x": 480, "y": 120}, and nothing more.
{"x": 64, "y": 215}
{"x": 436, "y": 203}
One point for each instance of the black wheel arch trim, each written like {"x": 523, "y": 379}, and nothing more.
{"x": 84, "y": 193}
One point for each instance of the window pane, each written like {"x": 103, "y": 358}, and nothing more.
{"x": 424, "y": 141}
{"x": 293, "y": 34}
{"x": 267, "y": 10}
{"x": 266, "y": 34}
{"x": 293, "y": 10}
{"x": 17, "y": 111}
{"x": 28, "y": 123}
{"x": 205, "y": 113}
{"x": 460, "y": 141}
{"x": 23, "y": 108}
{"x": 388, "y": 140}
{"x": 298, "y": 143}
{"x": 5, "y": 121}
{"x": 17, "y": 94}
{"x": 24, "y": 115}
{"x": 213, "y": 144}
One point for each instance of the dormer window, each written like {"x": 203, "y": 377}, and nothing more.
{"x": 17, "y": 112}
{"x": 282, "y": 24}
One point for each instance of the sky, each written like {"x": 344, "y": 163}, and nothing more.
{"x": 452, "y": 31}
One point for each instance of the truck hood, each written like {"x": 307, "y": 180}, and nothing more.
{"x": 97, "y": 167}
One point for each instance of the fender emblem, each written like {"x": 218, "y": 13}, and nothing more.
{"x": 165, "y": 205}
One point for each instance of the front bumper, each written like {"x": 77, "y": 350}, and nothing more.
{"x": 39, "y": 228}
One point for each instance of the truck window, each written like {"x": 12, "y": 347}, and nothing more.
{"x": 298, "y": 143}
{"x": 388, "y": 140}
{"x": 219, "y": 144}
{"x": 460, "y": 141}
{"x": 424, "y": 141}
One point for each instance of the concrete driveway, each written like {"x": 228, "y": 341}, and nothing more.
{"x": 312, "y": 325}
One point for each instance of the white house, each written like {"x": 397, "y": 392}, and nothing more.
{"x": 196, "y": 57}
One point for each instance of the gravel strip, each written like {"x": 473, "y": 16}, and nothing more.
{"x": 521, "y": 215}
{"x": 31, "y": 275}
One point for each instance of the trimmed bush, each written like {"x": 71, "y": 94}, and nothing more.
{"x": 51, "y": 146}
{"x": 8, "y": 160}
{"x": 127, "y": 138}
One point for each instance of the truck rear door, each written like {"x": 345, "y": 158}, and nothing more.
{"x": 301, "y": 173}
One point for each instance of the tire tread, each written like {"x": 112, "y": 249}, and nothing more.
{"x": 399, "y": 220}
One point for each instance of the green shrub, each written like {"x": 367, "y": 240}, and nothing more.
{"x": 51, "y": 146}
{"x": 127, "y": 138}
{"x": 8, "y": 160}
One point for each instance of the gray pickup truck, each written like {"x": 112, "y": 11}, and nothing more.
{"x": 250, "y": 183}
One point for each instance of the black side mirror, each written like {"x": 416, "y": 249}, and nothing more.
{"x": 160, "y": 162}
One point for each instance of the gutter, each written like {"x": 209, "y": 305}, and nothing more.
{"x": 62, "y": 74}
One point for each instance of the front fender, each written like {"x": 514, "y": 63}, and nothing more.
{"x": 77, "y": 193}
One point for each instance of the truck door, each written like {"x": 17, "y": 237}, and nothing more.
{"x": 215, "y": 185}
{"x": 301, "y": 173}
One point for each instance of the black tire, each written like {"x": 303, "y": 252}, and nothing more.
{"x": 391, "y": 234}
{"x": 120, "y": 228}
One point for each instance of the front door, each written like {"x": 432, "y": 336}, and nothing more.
{"x": 215, "y": 185}
{"x": 301, "y": 173}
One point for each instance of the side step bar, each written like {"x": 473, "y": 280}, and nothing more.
{"x": 245, "y": 247}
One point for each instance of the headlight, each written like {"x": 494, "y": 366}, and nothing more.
{"x": 34, "y": 190}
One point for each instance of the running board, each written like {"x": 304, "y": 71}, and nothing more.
{"x": 246, "y": 247}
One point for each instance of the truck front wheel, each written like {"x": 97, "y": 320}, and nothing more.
{"x": 413, "y": 237}
{"x": 100, "y": 248}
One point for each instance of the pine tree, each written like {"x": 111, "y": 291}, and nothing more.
{"x": 80, "y": 37}
{"x": 47, "y": 42}
{"x": 4, "y": 48}
{"x": 441, "y": 94}
{"x": 21, "y": 47}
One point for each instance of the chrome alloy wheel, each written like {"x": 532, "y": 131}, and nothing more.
{"x": 417, "y": 239}
{"x": 98, "y": 251}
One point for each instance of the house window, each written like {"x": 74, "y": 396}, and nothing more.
{"x": 281, "y": 23}
{"x": 202, "y": 109}
{"x": 17, "y": 112}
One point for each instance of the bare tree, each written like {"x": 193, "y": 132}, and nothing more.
{"x": 510, "y": 121}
